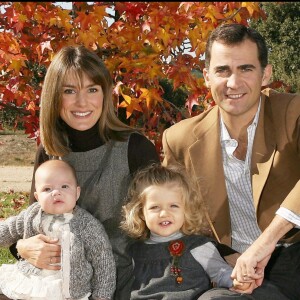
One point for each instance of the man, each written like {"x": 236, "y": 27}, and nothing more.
{"x": 245, "y": 155}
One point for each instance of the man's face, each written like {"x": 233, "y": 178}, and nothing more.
{"x": 235, "y": 78}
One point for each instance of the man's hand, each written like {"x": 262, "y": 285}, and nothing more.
{"x": 248, "y": 266}
{"x": 41, "y": 251}
{"x": 251, "y": 264}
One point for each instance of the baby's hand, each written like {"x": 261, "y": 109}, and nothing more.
{"x": 243, "y": 287}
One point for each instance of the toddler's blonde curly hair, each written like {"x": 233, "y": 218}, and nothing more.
{"x": 133, "y": 222}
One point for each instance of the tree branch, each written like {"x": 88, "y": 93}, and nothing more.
{"x": 175, "y": 107}
{"x": 230, "y": 17}
{"x": 15, "y": 108}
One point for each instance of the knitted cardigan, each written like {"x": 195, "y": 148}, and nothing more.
{"x": 92, "y": 266}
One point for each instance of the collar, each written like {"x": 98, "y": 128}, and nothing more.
{"x": 225, "y": 136}
{"x": 81, "y": 141}
{"x": 155, "y": 238}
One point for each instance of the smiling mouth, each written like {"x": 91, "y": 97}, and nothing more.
{"x": 81, "y": 114}
{"x": 235, "y": 96}
{"x": 165, "y": 223}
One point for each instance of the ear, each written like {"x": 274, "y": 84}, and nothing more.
{"x": 36, "y": 196}
{"x": 206, "y": 77}
{"x": 142, "y": 216}
{"x": 78, "y": 192}
{"x": 267, "y": 75}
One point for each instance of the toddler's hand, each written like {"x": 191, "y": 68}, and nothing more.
{"x": 243, "y": 287}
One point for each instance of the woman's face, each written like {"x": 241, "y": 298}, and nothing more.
{"x": 82, "y": 102}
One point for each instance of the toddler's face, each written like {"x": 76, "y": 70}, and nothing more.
{"x": 164, "y": 209}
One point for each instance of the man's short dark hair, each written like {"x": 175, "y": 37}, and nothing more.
{"x": 233, "y": 34}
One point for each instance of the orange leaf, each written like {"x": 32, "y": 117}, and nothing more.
{"x": 20, "y": 21}
{"x": 84, "y": 19}
{"x": 32, "y": 107}
{"x": 130, "y": 104}
{"x": 152, "y": 96}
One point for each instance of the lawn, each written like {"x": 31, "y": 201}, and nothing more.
{"x": 16, "y": 149}
{"x": 11, "y": 203}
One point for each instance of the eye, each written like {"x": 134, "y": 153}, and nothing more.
{"x": 64, "y": 186}
{"x": 154, "y": 207}
{"x": 174, "y": 205}
{"x": 93, "y": 90}
{"x": 69, "y": 91}
{"x": 222, "y": 71}
{"x": 247, "y": 69}
{"x": 47, "y": 189}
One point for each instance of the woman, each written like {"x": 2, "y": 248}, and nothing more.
{"x": 79, "y": 125}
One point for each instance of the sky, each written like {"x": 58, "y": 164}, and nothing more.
{"x": 68, "y": 5}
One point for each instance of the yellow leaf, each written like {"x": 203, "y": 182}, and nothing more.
{"x": 238, "y": 18}
{"x": 151, "y": 96}
{"x": 251, "y": 7}
{"x": 16, "y": 65}
{"x": 165, "y": 35}
{"x": 127, "y": 98}
{"x": 54, "y": 21}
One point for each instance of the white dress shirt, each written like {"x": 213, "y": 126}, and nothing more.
{"x": 244, "y": 225}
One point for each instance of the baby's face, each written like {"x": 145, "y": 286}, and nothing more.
{"x": 56, "y": 189}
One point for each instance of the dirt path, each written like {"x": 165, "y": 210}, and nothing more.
{"x": 15, "y": 178}
{"x": 17, "y": 153}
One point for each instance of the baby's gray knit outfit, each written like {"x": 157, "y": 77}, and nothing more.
{"x": 92, "y": 265}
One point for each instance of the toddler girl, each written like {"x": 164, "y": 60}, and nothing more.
{"x": 171, "y": 259}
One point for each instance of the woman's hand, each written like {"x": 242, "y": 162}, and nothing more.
{"x": 41, "y": 251}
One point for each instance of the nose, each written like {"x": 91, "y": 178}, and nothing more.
{"x": 80, "y": 99}
{"x": 164, "y": 213}
{"x": 55, "y": 192}
{"x": 233, "y": 81}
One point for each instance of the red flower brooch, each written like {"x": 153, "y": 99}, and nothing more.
{"x": 176, "y": 249}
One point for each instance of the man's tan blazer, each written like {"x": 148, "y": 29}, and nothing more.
{"x": 275, "y": 165}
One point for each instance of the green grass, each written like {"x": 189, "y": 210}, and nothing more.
{"x": 6, "y": 257}
{"x": 11, "y": 203}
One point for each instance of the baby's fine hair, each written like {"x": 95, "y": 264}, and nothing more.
{"x": 133, "y": 222}
{"x": 56, "y": 161}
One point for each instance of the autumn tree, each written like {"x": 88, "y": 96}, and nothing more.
{"x": 147, "y": 44}
{"x": 281, "y": 29}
